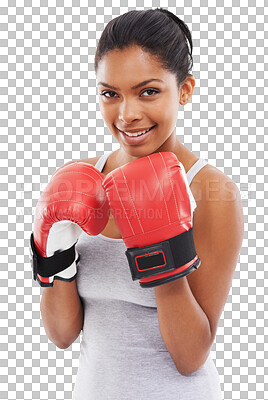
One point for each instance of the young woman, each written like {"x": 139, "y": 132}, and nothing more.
{"x": 147, "y": 343}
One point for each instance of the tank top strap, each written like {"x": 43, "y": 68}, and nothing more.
{"x": 198, "y": 165}
{"x": 101, "y": 161}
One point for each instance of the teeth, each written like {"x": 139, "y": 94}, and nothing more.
{"x": 136, "y": 133}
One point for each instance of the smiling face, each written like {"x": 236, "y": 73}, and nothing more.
{"x": 135, "y": 94}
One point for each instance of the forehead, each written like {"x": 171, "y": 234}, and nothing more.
{"x": 131, "y": 64}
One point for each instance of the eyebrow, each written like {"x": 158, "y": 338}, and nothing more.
{"x": 133, "y": 87}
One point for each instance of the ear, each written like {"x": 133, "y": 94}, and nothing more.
{"x": 186, "y": 89}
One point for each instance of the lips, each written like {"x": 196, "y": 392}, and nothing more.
{"x": 136, "y": 140}
{"x": 137, "y": 130}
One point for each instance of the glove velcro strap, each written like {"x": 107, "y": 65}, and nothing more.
{"x": 162, "y": 256}
{"x": 49, "y": 266}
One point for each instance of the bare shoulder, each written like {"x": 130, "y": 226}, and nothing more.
{"x": 210, "y": 184}
{"x": 218, "y": 228}
{"x": 219, "y": 207}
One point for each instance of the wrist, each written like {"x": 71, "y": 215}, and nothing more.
{"x": 61, "y": 265}
{"x": 171, "y": 287}
{"x": 164, "y": 261}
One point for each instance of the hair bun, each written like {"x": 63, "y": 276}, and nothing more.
{"x": 179, "y": 22}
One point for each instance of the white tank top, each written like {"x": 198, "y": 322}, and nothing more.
{"x": 123, "y": 356}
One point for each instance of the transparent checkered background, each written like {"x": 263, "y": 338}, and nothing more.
{"x": 49, "y": 115}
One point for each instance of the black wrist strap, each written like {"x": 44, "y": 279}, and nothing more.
{"x": 162, "y": 256}
{"x": 49, "y": 266}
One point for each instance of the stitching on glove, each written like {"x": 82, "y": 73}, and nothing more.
{"x": 161, "y": 190}
{"x": 123, "y": 205}
{"x": 132, "y": 201}
{"x": 171, "y": 185}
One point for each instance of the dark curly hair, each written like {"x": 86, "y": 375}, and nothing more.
{"x": 158, "y": 32}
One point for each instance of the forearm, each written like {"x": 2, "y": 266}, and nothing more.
{"x": 184, "y": 326}
{"x": 62, "y": 313}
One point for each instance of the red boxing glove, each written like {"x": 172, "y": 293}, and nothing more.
{"x": 73, "y": 201}
{"x": 150, "y": 200}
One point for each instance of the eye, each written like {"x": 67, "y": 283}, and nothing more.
{"x": 104, "y": 94}
{"x": 112, "y": 94}
{"x": 150, "y": 90}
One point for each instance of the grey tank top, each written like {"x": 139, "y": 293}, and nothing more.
{"x": 122, "y": 354}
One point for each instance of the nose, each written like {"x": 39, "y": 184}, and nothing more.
{"x": 129, "y": 112}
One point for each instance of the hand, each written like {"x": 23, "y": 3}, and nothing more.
{"x": 73, "y": 201}
{"x": 150, "y": 200}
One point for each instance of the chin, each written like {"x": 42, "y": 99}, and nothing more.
{"x": 138, "y": 153}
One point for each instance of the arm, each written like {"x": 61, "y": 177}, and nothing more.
{"x": 62, "y": 313}
{"x": 61, "y": 306}
{"x": 189, "y": 309}
{"x": 184, "y": 327}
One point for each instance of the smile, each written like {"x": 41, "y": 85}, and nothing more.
{"x": 137, "y": 133}
{"x": 136, "y": 137}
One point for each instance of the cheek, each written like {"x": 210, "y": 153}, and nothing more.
{"x": 105, "y": 111}
{"x": 167, "y": 116}
{"x": 102, "y": 109}
{"x": 166, "y": 110}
